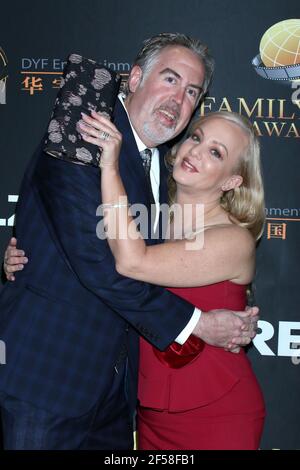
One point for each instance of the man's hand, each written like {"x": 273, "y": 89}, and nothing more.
{"x": 14, "y": 259}
{"x": 227, "y": 329}
{"x": 251, "y": 315}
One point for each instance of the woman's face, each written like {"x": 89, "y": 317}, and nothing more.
{"x": 207, "y": 159}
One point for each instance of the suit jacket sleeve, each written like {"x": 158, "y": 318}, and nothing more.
{"x": 69, "y": 194}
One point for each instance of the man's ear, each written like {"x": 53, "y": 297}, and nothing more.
{"x": 233, "y": 182}
{"x": 135, "y": 78}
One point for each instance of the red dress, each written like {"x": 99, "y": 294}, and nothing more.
{"x": 211, "y": 398}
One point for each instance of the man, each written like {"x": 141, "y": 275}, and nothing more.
{"x": 70, "y": 322}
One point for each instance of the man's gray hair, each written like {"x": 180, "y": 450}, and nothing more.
{"x": 152, "y": 47}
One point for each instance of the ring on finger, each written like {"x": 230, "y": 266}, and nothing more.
{"x": 104, "y": 135}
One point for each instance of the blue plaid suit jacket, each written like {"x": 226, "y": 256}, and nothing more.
{"x": 66, "y": 318}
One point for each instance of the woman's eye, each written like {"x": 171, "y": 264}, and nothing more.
{"x": 216, "y": 153}
{"x": 195, "y": 138}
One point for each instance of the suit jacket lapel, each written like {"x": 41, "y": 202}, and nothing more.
{"x": 130, "y": 161}
{"x": 132, "y": 171}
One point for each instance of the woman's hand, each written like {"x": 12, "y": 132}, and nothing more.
{"x": 102, "y": 132}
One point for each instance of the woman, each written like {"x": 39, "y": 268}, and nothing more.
{"x": 196, "y": 396}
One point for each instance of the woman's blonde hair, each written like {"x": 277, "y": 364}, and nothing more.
{"x": 245, "y": 204}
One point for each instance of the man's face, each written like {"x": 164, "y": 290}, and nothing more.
{"x": 161, "y": 105}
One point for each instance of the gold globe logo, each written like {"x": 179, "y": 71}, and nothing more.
{"x": 3, "y": 76}
{"x": 279, "y": 57}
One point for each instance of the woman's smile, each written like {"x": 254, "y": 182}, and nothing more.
{"x": 186, "y": 165}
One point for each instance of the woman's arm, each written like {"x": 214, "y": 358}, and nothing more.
{"x": 123, "y": 236}
{"x": 227, "y": 252}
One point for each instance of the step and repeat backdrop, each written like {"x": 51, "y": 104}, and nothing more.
{"x": 257, "y": 50}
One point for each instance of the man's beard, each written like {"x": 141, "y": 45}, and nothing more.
{"x": 157, "y": 133}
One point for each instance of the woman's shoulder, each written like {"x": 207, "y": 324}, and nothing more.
{"x": 230, "y": 231}
{"x": 239, "y": 245}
